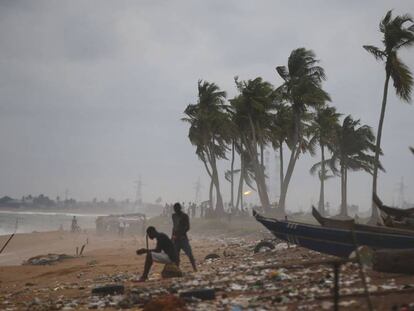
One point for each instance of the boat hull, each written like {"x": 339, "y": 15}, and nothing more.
{"x": 339, "y": 242}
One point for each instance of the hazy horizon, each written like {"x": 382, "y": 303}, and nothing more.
{"x": 92, "y": 92}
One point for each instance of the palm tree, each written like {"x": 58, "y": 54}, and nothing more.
{"x": 252, "y": 109}
{"x": 210, "y": 132}
{"x": 396, "y": 35}
{"x": 353, "y": 150}
{"x": 323, "y": 131}
{"x": 302, "y": 88}
{"x": 281, "y": 134}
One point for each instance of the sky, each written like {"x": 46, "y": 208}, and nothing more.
{"x": 92, "y": 92}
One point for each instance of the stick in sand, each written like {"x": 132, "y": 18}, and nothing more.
{"x": 11, "y": 237}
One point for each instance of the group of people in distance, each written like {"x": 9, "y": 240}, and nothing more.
{"x": 167, "y": 251}
{"x": 205, "y": 210}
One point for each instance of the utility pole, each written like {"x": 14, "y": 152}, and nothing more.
{"x": 65, "y": 203}
{"x": 138, "y": 193}
{"x": 401, "y": 188}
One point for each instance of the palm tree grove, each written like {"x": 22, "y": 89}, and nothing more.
{"x": 294, "y": 118}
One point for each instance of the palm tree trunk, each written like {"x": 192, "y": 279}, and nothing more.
{"x": 211, "y": 182}
{"x": 346, "y": 191}
{"x": 261, "y": 187}
{"x": 241, "y": 194}
{"x": 292, "y": 161}
{"x": 215, "y": 177}
{"x": 321, "y": 205}
{"x": 211, "y": 193}
{"x": 219, "y": 199}
{"x": 374, "y": 214}
{"x": 240, "y": 189}
{"x": 232, "y": 176}
{"x": 281, "y": 170}
{"x": 344, "y": 204}
{"x": 261, "y": 154}
{"x": 258, "y": 169}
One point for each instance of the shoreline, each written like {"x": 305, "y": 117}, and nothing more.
{"x": 51, "y": 213}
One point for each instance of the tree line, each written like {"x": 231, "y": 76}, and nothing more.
{"x": 296, "y": 116}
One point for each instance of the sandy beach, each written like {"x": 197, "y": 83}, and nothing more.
{"x": 103, "y": 255}
{"x": 237, "y": 276}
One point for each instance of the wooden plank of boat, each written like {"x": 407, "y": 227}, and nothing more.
{"x": 406, "y": 224}
{"x": 339, "y": 242}
{"x": 329, "y": 222}
{"x": 350, "y": 224}
{"x": 392, "y": 211}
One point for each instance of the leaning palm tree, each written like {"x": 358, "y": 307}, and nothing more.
{"x": 353, "y": 150}
{"x": 253, "y": 118}
{"x": 396, "y": 35}
{"x": 302, "y": 88}
{"x": 281, "y": 135}
{"x": 322, "y": 130}
{"x": 210, "y": 132}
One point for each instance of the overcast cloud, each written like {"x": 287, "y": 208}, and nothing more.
{"x": 92, "y": 92}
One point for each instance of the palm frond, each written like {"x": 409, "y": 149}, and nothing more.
{"x": 315, "y": 168}
{"x": 402, "y": 78}
{"x": 282, "y": 71}
{"x": 385, "y": 21}
{"x": 378, "y": 54}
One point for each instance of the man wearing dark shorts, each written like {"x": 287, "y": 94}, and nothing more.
{"x": 181, "y": 225}
{"x": 164, "y": 252}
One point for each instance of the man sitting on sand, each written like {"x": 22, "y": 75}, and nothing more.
{"x": 181, "y": 225}
{"x": 164, "y": 252}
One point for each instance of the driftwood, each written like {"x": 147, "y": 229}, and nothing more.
{"x": 393, "y": 261}
{"x": 10, "y": 238}
{"x": 7, "y": 242}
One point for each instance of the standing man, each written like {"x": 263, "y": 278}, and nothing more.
{"x": 181, "y": 225}
{"x": 75, "y": 227}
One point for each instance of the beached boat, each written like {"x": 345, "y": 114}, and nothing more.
{"x": 335, "y": 241}
{"x": 404, "y": 223}
{"x": 329, "y": 222}
{"x": 393, "y": 211}
{"x": 390, "y": 225}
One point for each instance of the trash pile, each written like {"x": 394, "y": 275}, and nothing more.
{"x": 236, "y": 278}
{"x": 46, "y": 259}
